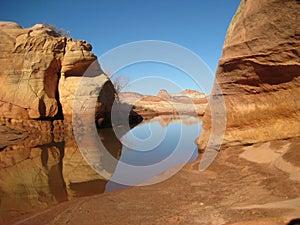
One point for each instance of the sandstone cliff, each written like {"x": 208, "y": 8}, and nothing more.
{"x": 41, "y": 71}
{"x": 259, "y": 74}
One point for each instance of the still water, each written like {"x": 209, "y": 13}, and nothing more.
{"x": 45, "y": 171}
{"x": 154, "y": 147}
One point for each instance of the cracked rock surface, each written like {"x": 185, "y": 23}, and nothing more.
{"x": 259, "y": 74}
{"x": 41, "y": 71}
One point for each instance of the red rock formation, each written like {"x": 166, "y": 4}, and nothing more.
{"x": 41, "y": 71}
{"x": 186, "y": 102}
{"x": 192, "y": 94}
{"x": 259, "y": 73}
{"x": 152, "y": 99}
{"x": 164, "y": 94}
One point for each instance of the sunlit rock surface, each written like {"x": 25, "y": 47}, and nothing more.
{"x": 259, "y": 74}
{"x": 41, "y": 72}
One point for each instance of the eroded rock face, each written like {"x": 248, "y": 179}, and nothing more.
{"x": 40, "y": 72}
{"x": 259, "y": 74}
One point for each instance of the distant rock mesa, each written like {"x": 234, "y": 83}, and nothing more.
{"x": 185, "y": 102}
{"x": 259, "y": 74}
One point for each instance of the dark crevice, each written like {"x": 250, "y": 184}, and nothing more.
{"x": 294, "y": 221}
{"x": 59, "y": 115}
{"x": 44, "y": 158}
{"x": 42, "y": 108}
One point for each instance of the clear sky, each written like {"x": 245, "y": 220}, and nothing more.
{"x": 197, "y": 25}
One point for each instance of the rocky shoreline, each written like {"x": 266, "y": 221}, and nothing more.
{"x": 255, "y": 178}
{"x": 235, "y": 190}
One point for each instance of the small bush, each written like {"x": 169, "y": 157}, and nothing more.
{"x": 61, "y": 32}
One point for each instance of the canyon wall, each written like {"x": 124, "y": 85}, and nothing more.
{"x": 259, "y": 74}
{"x": 41, "y": 71}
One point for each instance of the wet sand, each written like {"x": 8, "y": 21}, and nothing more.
{"x": 240, "y": 187}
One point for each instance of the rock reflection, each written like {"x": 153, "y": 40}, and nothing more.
{"x": 155, "y": 150}
{"x": 34, "y": 176}
{"x": 30, "y": 179}
{"x": 45, "y": 169}
{"x": 165, "y": 120}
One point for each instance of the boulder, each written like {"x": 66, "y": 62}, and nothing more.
{"x": 259, "y": 74}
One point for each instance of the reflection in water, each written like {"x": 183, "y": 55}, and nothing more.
{"x": 34, "y": 176}
{"x": 30, "y": 178}
{"x": 153, "y": 148}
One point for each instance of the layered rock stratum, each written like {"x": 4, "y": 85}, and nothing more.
{"x": 259, "y": 74}
{"x": 185, "y": 102}
{"x": 41, "y": 71}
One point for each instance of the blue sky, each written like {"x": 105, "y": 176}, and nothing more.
{"x": 197, "y": 25}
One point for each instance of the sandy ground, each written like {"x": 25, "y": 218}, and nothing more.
{"x": 256, "y": 184}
